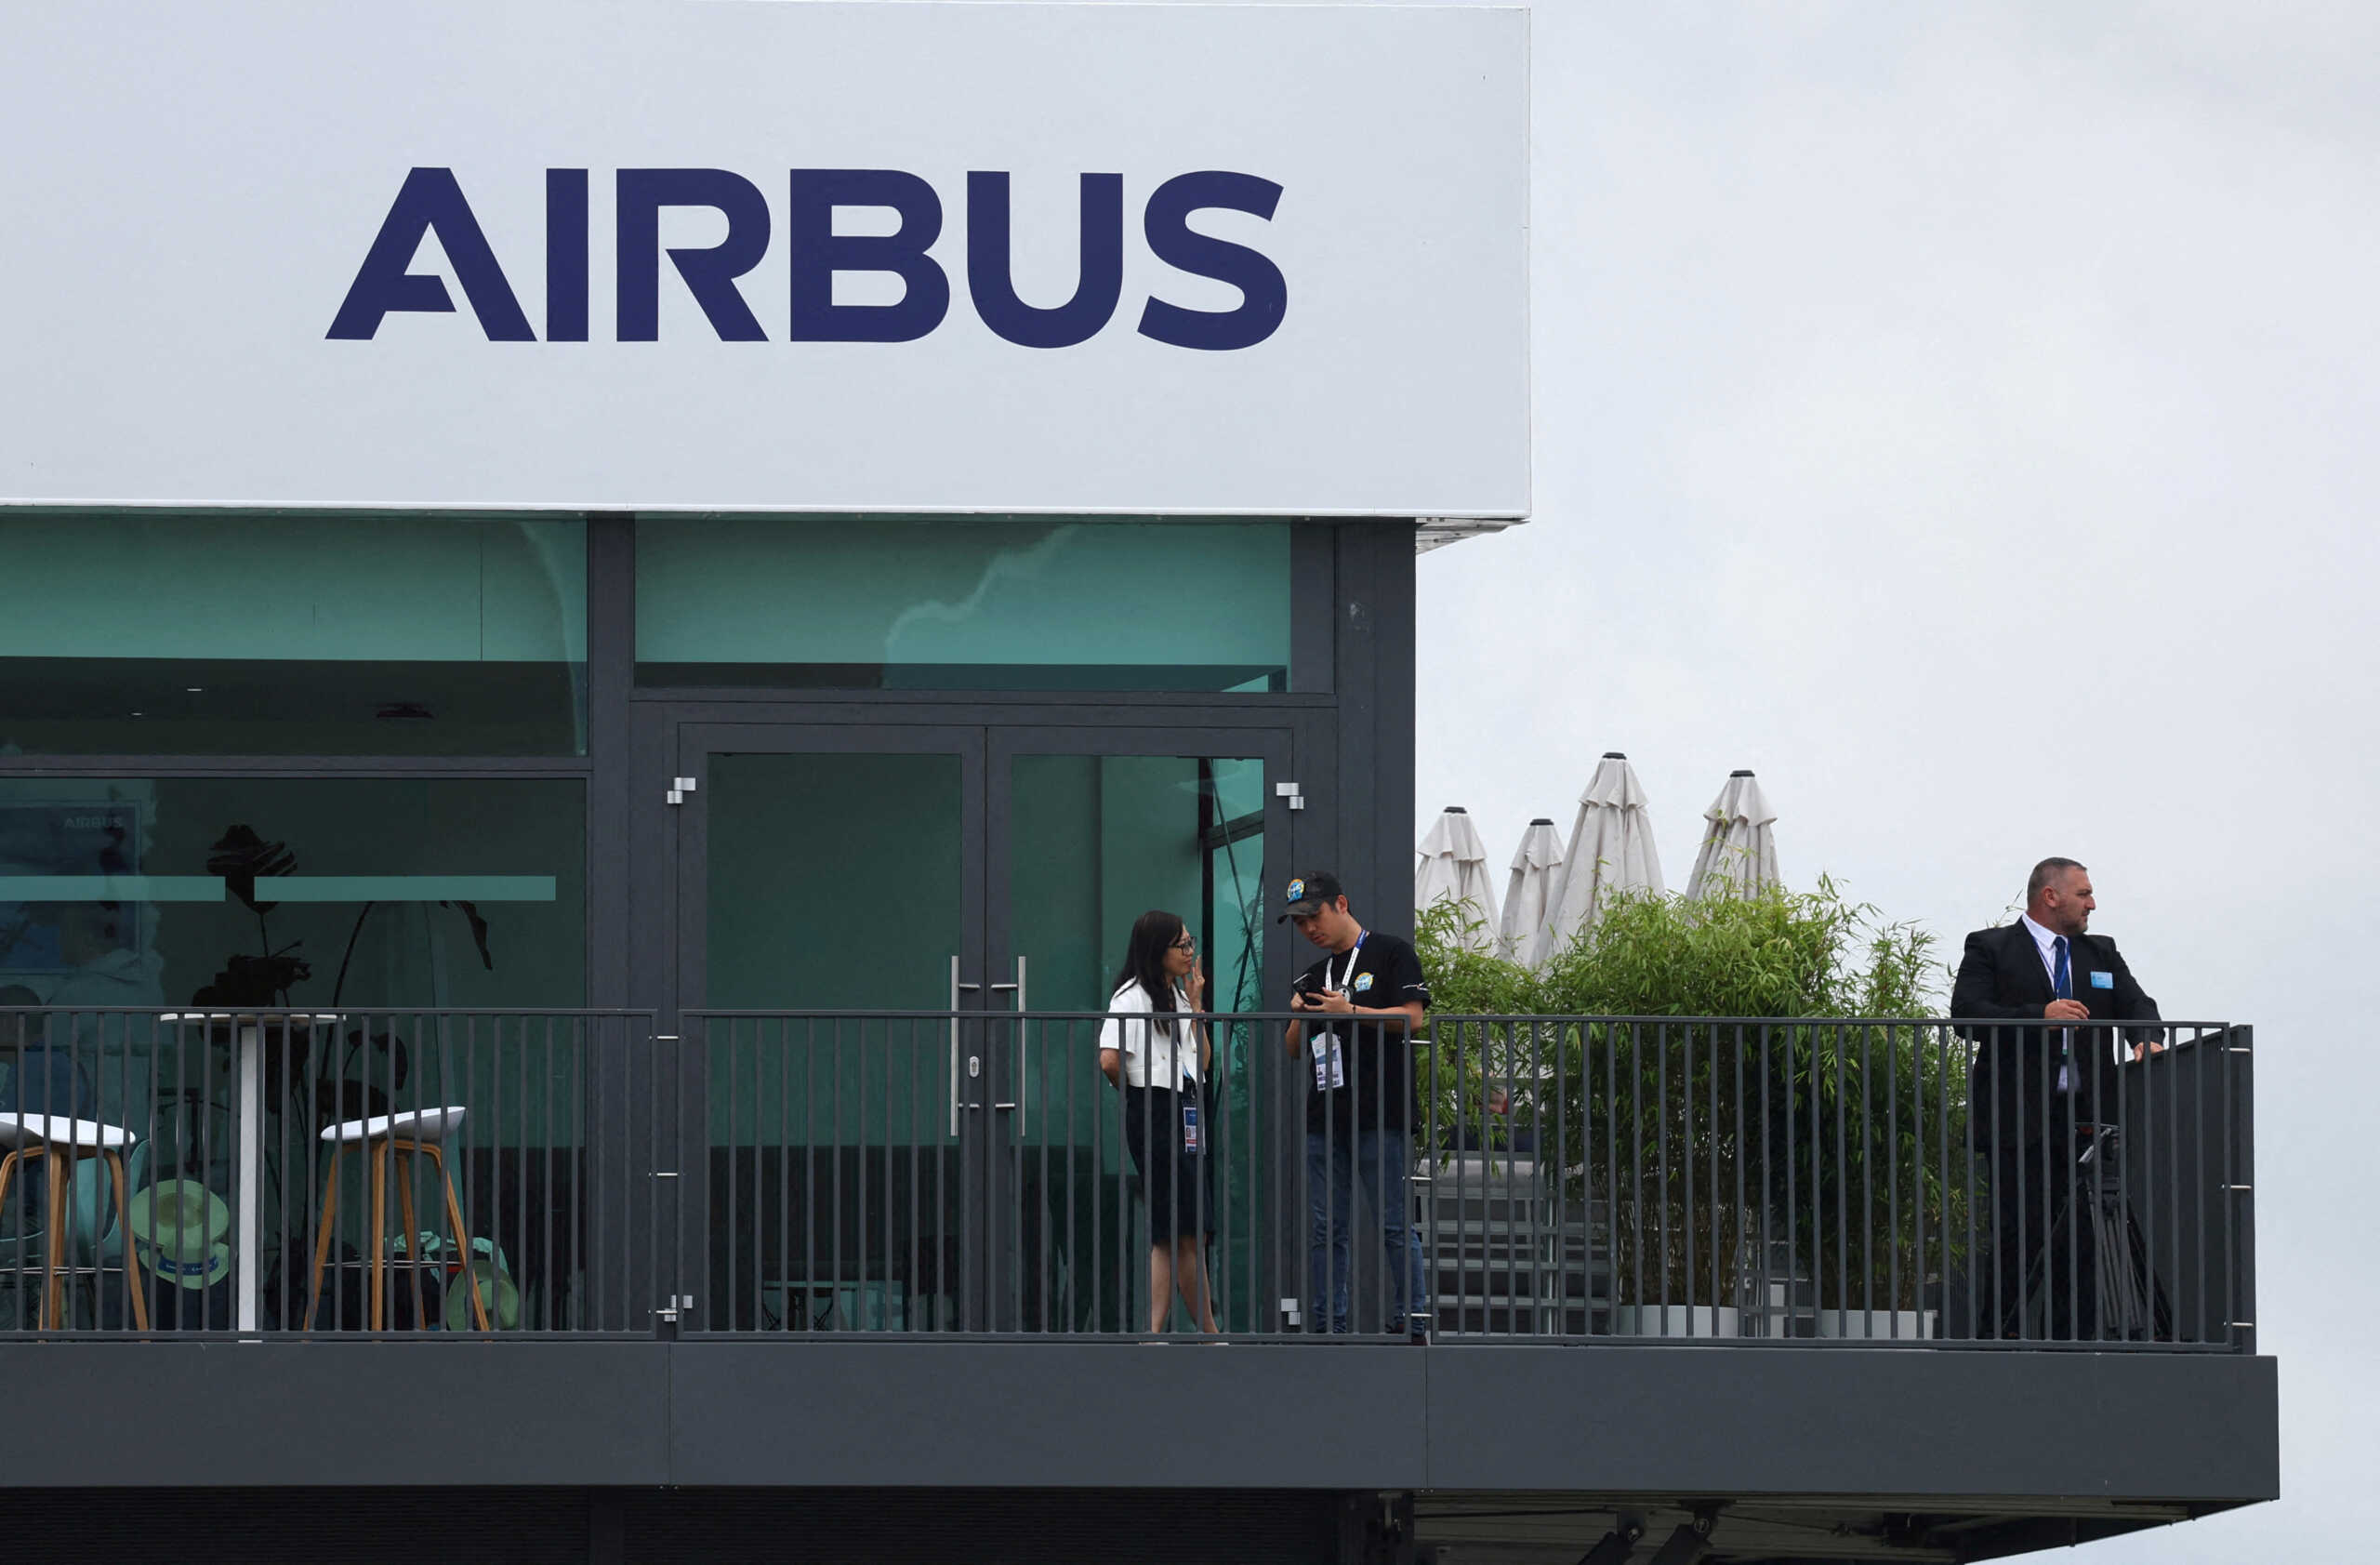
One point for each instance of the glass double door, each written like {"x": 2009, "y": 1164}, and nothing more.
{"x": 863, "y": 914}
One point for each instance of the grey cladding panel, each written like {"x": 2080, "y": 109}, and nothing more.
{"x": 1873, "y": 1422}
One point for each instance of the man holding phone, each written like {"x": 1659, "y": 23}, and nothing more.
{"x": 1366, "y": 997}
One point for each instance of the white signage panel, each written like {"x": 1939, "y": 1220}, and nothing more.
{"x": 740, "y": 255}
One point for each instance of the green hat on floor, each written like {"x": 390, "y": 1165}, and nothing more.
{"x": 180, "y": 1225}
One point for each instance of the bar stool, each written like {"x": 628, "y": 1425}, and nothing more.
{"x": 66, "y": 1143}
{"x": 393, "y": 1139}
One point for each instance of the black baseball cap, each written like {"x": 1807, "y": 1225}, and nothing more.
{"x": 1309, "y": 894}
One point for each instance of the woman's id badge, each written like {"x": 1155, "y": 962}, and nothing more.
{"x": 1330, "y": 1068}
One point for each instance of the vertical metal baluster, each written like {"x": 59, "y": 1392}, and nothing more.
{"x": 1841, "y": 1175}
{"x": 1892, "y": 1178}
{"x": 291, "y": 1202}
{"x": 1097, "y": 1196}
{"x": 1073, "y": 1179}
{"x": 1745, "y": 1226}
{"x": 1226, "y": 1133}
{"x": 1942, "y": 1176}
{"x": 2203, "y": 1232}
{"x": 1685, "y": 1166}
{"x": 2154, "y": 1193}
{"x": 157, "y": 1174}
{"x": 1916, "y": 1168}
{"x": 863, "y": 1204}
{"x": 2228, "y": 1130}
{"x": 632, "y": 1318}
{"x": 1043, "y": 1205}
{"x": 1545, "y": 1226}
{"x": 2064, "y": 1155}
{"x": 835, "y": 1165}
{"x": 1999, "y": 1263}
{"x": 1816, "y": 1168}
{"x": 1586, "y": 1167}
{"x": 1867, "y": 1179}
{"x": 1635, "y": 1203}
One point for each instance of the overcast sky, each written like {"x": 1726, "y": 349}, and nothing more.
{"x": 1968, "y": 423}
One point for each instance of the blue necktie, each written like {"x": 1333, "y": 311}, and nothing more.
{"x": 2062, "y": 981}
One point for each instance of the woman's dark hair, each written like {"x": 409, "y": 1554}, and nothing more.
{"x": 1154, "y": 934}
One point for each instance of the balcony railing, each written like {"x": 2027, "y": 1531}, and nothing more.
{"x": 1915, "y": 1183}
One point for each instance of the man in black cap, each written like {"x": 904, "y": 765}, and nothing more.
{"x": 1359, "y": 1118}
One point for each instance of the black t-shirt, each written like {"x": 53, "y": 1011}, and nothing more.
{"x": 1377, "y": 1091}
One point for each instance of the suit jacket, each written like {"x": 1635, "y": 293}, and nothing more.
{"x": 2015, "y": 1067}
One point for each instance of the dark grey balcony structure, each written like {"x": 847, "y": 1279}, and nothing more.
{"x": 794, "y": 1207}
{"x": 1721, "y": 1287}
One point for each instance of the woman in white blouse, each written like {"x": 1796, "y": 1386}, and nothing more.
{"x": 1156, "y": 1048}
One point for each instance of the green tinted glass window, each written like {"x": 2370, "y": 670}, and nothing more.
{"x": 375, "y": 891}
{"x": 174, "y": 635}
{"x": 963, "y": 604}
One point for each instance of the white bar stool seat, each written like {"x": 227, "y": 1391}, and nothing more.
{"x": 423, "y": 1126}
{"x": 393, "y": 1141}
{"x": 66, "y": 1141}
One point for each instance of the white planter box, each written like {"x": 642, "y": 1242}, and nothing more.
{"x": 1676, "y": 1320}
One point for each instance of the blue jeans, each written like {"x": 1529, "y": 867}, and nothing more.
{"x": 1333, "y": 1164}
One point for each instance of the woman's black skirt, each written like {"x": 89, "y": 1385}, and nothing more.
{"x": 1178, "y": 1185}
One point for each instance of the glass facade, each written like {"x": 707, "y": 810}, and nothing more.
{"x": 370, "y": 768}
{"x": 299, "y": 891}
{"x": 213, "y": 634}
{"x": 963, "y": 604}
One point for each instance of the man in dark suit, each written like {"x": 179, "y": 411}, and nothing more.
{"x": 2036, "y": 1089}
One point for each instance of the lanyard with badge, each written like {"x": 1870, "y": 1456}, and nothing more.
{"x": 1187, "y": 1083}
{"x": 1186, "y": 1079}
{"x": 1329, "y": 1062}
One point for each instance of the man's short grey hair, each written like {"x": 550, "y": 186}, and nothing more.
{"x": 2045, "y": 872}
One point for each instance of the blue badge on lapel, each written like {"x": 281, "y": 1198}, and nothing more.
{"x": 2103, "y": 980}
{"x": 1363, "y": 982}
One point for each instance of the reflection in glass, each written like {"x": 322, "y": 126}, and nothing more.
{"x": 1095, "y": 841}
{"x": 166, "y": 634}
{"x": 966, "y": 604}
{"x": 369, "y": 900}
{"x": 833, "y": 881}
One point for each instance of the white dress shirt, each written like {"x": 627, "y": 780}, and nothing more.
{"x": 2045, "y": 939}
{"x": 1173, "y": 1049}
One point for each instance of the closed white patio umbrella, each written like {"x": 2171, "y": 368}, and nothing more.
{"x": 1528, "y": 894}
{"x": 1454, "y": 864}
{"x": 1611, "y": 850}
{"x": 1738, "y": 856}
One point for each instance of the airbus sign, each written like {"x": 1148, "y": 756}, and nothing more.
{"x": 431, "y": 204}
{"x": 700, "y": 256}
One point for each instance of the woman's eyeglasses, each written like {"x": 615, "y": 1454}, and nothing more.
{"x": 1187, "y": 943}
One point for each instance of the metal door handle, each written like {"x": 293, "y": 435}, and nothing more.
{"x": 955, "y": 990}
{"x": 1018, "y": 1081}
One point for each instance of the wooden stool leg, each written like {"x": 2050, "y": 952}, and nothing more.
{"x": 131, "y": 1260}
{"x": 323, "y": 1238}
{"x": 400, "y": 1155}
{"x": 463, "y": 1241}
{"x": 376, "y": 1312}
{"x": 53, "y": 1290}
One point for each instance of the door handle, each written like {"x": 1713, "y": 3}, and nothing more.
{"x": 1016, "y": 1082}
{"x": 957, "y": 988}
